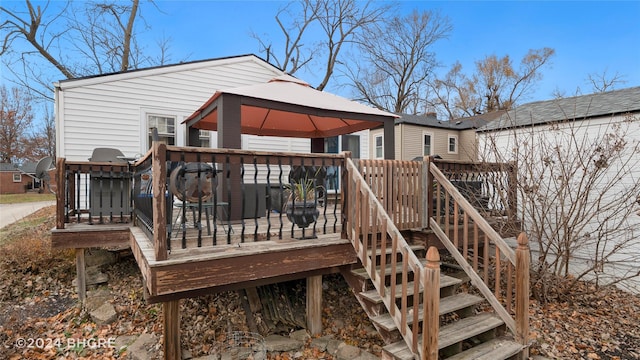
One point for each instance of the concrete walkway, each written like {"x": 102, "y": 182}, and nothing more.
{"x": 10, "y": 213}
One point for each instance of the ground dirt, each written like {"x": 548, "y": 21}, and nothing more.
{"x": 38, "y": 305}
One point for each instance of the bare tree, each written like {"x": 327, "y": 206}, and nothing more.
{"x": 42, "y": 141}
{"x": 396, "y": 59}
{"x": 601, "y": 82}
{"x": 495, "y": 85}
{"x": 75, "y": 40}
{"x": 577, "y": 197}
{"x": 15, "y": 120}
{"x": 338, "y": 20}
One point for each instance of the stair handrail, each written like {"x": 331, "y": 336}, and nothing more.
{"x": 519, "y": 327}
{"x": 424, "y": 273}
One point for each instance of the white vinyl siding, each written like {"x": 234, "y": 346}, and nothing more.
{"x": 111, "y": 110}
{"x": 586, "y": 131}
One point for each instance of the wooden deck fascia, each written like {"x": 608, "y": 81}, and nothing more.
{"x": 84, "y": 236}
{"x": 192, "y": 272}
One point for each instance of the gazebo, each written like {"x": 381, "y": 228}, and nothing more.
{"x": 287, "y": 107}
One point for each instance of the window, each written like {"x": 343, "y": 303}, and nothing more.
{"x": 205, "y": 139}
{"x": 17, "y": 177}
{"x": 426, "y": 143}
{"x": 352, "y": 143}
{"x": 166, "y": 128}
{"x": 453, "y": 144}
{"x": 379, "y": 147}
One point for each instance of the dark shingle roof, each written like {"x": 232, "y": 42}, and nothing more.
{"x": 431, "y": 120}
{"x": 7, "y": 167}
{"x": 571, "y": 108}
{"x": 28, "y": 167}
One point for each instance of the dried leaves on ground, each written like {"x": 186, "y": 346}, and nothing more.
{"x": 38, "y": 304}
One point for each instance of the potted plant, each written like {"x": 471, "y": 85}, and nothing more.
{"x": 301, "y": 207}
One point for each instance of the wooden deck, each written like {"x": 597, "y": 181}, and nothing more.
{"x": 209, "y": 269}
{"x": 84, "y": 236}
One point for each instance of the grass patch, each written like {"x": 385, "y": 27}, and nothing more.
{"x": 37, "y": 225}
{"x": 26, "y": 197}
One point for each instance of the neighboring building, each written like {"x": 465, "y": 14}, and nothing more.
{"x": 20, "y": 179}
{"x": 12, "y": 180}
{"x": 541, "y": 136}
{"x": 117, "y": 110}
{"x": 423, "y": 135}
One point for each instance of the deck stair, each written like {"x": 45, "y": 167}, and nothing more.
{"x": 464, "y": 333}
{"x": 420, "y": 311}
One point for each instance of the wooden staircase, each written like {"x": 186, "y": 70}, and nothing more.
{"x": 420, "y": 312}
{"x": 465, "y": 333}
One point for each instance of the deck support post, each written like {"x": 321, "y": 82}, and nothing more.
{"x": 81, "y": 281}
{"x": 171, "y": 330}
{"x": 314, "y": 305}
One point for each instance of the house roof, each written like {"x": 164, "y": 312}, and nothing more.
{"x": 8, "y": 167}
{"x": 430, "y": 120}
{"x": 27, "y": 167}
{"x": 571, "y": 108}
{"x": 155, "y": 70}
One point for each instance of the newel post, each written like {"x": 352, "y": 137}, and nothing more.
{"x": 522, "y": 291}
{"x": 431, "y": 303}
{"x": 159, "y": 178}
{"x": 60, "y": 190}
{"x": 428, "y": 191}
{"x": 344, "y": 197}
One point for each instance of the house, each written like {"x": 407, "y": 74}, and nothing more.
{"x": 572, "y": 139}
{"x": 12, "y": 180}
{"x": 118, "y": 110}
{"x": 16, "y": 179}
{"x": 210, "y": 250}
{"x": 425, "y": 135}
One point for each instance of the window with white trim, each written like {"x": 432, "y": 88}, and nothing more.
{"x": 379, "y": 148}
{"x": 205, "y": 138}
{"x": 17, "y": 177}
{"x": 166, "y": 126}
{"x": 452, "y": 142}
{"x": 427, "y": 143}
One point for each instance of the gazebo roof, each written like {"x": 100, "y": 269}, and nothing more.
{"x": 286, "y": 106}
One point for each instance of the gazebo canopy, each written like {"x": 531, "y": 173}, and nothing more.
{"x": 286, "y": 106}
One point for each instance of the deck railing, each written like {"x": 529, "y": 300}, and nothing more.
{"x": 92, "y": 192}
{"x": 489, "y": 187}
{"x": 498, "y": 272}
{"x": 398, "y": 187}
{"x": 371, "y": 228}
{"x": 210, "y": 197}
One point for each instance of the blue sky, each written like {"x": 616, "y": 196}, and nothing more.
{"x": 588, "y": 36}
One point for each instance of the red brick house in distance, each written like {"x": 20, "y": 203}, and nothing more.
{"x": 20, "y": 179}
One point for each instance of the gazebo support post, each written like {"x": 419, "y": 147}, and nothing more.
{"x": 193, "y": 136}
{"x": 230, "y": 137}
{"x": 389, "y": 140}
{"x": 317, "y": 145}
